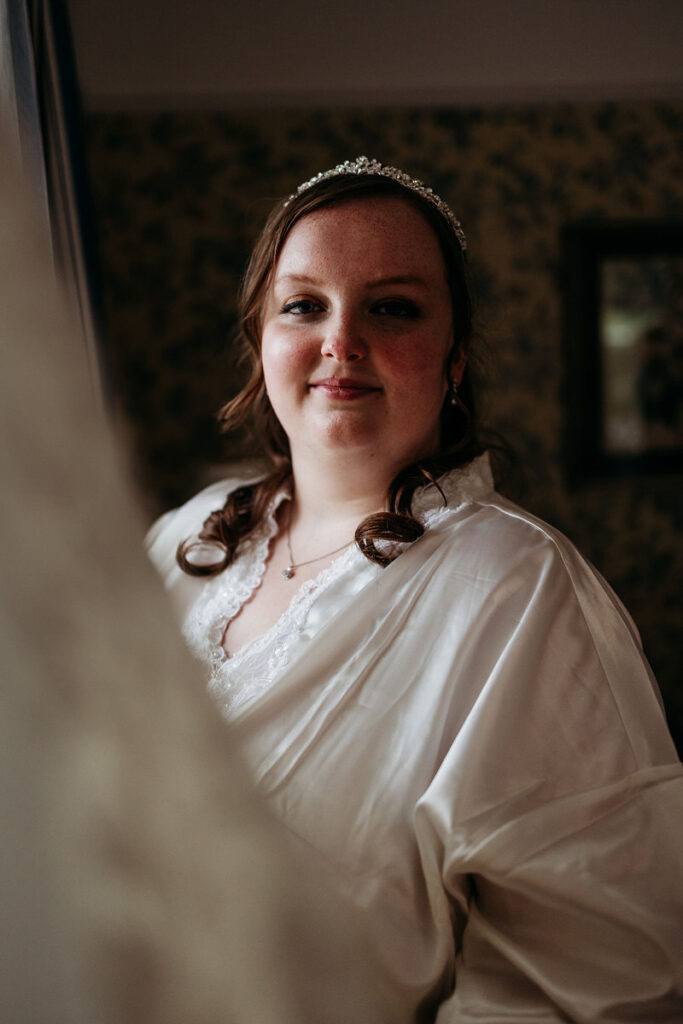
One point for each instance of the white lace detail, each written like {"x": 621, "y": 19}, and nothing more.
{"x": 252, "y": 669}
{"x": 234, "y": 680}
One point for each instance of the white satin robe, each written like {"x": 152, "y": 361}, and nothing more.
{"x": 473, "y": 742}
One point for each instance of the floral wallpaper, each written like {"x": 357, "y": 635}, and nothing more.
{"x": 179, "y": 197}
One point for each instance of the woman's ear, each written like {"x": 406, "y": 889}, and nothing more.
{"x": 458, "y": 363}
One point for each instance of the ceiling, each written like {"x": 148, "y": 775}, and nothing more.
{"x": 166, "y": 54}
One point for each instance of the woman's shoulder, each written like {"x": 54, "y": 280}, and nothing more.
{"x": 488, "y": 537}
{"x": 487, "y": 525}
{"x": 467, "y": 504}
{"x": 524, "y": 586}
{"x": 505, "y": 528}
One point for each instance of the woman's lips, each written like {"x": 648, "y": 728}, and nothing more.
{"x": 344, "y": 388}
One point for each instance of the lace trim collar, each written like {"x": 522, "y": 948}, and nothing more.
{"x": 225, "y": 594}
{"x": 466, "y": 483}
{"x": 222, "y": 596}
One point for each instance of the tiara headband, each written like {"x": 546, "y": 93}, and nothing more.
{"x": 362, "y": 165}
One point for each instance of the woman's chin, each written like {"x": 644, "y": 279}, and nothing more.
{"x": 338, "y": 431}
{"x": 343, "y": 434}
{"x": 345, "y": 441}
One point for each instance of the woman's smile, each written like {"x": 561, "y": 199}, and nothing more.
{"x": 344, "y": 389}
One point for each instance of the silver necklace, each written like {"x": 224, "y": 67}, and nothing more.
{"x": 290, "y": 571}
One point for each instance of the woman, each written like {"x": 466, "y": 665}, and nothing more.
{"x": 437, "y": 693}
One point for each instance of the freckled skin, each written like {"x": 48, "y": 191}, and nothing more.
{"x": 336, "y": 313}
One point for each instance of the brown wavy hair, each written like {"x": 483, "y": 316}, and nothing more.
{"x": 246, "y": 507}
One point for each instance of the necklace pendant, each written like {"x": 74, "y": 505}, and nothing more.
{"x": 288, "y": 572}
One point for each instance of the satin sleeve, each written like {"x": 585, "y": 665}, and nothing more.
{"x": 554, "y": 824}
{"x": 574, "y": 910}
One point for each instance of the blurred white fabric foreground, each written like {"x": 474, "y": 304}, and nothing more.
{"x": 141, "y": 878}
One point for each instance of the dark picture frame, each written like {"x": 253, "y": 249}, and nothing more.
{"x": 623, "y": 299}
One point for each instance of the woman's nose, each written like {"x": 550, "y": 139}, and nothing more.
{"x": 343, "y": 340}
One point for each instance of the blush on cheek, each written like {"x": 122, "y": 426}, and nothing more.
{"x": 284, "y": 356}
{"x": 418, "y": 373}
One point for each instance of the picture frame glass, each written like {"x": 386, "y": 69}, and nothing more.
{"x": 641, "y": 351}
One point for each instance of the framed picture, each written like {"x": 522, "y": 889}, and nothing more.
{"x": 623, "y": 288}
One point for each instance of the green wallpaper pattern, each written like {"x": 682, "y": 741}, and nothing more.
{"x": 179, "y": 197}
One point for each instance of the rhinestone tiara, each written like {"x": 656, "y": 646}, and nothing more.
{"x": 363, "y": 165}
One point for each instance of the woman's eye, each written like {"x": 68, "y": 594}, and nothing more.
{"x": 396, "y": 307}
{"x": 301, "y": 307}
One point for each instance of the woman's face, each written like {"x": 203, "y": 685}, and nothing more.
{"x": 357, "y": 331}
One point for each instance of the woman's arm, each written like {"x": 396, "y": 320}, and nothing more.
{"x": 555, "y": 821}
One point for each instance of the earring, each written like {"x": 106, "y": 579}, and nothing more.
{"x": 453, "y": 393}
